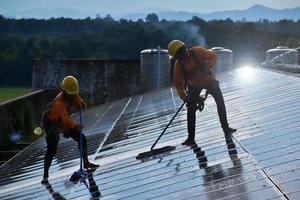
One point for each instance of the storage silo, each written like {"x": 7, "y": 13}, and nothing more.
{"x": 282, "y": 55}
{"x": 155, "y": 68}
{"x": 224, "y": 61}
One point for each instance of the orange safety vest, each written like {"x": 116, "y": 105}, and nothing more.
{"x": 60, "y": 112}
{"x": 196, "y": 78}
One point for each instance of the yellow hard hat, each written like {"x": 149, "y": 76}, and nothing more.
{"x": 70, "y": 85}
{"x": 174, "y": 45}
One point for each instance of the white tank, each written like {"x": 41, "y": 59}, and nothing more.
{"x": 224, "y": 61}
{"x": 282, "y": 55}
{"x": 155, "y": 68}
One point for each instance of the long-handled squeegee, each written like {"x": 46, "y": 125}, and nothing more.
{"x": 81, "y": 174}
{"x": 165, "y": 149}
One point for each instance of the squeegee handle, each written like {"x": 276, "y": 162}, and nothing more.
{"x": 80, "y": 122}
{"x": 168, "y": 125}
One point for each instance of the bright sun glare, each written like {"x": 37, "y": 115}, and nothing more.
{"x": 246, "y": 73}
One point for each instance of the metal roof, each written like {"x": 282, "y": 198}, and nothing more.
{"x": 260, "y": 161}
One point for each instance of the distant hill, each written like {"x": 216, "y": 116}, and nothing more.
{"x": 253, "y": 13}
{"x": 257, "y": 12}
{"x": 42, "y": 13}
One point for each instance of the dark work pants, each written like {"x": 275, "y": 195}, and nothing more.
{"x": 214, "y": 90}
{"x": 52, "y": 138}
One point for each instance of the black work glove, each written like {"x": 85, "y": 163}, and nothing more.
{"x": 200, "y": 102}
{"x": 191, "y": 102}
{"x": 83, "y": 105}
{"x": 187, "y": 100}
{"x": 78, "y": 128}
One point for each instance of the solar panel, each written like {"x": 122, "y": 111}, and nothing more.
{"x": 260, "y": 161}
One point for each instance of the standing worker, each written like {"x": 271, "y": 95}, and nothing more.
{"x": 56, "y": 119}
{"x": 193, "y": 68}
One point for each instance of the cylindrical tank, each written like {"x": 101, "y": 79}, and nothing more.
{"x": 155, "y": 68}
{"x": 224, "y": 61}
{"x": 282, "y": 55}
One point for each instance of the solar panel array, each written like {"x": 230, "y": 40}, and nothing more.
{"x": 260, "y": 161}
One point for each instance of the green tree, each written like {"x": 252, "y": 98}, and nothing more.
{"x": 152, "y": 18}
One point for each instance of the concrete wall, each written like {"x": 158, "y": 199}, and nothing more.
{"x": 99, "y": 80}
{"x": 23, "y": 113}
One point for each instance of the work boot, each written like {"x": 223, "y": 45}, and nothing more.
{"x": 189, "y": 142}
{"x": 44, "y": 180}
{"x": 86, "y": 163}
{"x": 89, "y": 165}
{"x": 229, "y": 130}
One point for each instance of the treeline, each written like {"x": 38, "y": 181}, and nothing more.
{"x": 24, "y": 39}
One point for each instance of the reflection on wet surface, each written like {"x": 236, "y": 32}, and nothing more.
{"x": 266, "y": 147}
{"x": 55, "y": 195}
{"x": 90, "y": 185}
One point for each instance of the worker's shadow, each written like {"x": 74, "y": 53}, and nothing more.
{"x": 216, "y": 175}
{"x": 217, "y": 171}
{"x": 93, "y": 188}
{"x": 233, "y": 154}
{"x": 200, "y": 155}
{"x": 55, "y": 195}
{"x": 91, "y": 184}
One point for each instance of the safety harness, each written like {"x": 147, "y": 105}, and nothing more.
{"x": 45, "y": 122}
{"x": 199, "y": 66}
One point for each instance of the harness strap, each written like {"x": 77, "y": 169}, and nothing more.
{"x": 46, "y": 112}
{"x": 199, "y": 66}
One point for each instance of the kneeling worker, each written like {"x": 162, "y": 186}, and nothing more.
{"x": 56, "y": 119}
{"x": 193, "y": 67}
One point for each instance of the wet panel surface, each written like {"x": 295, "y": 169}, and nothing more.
{"x": 260, "y": 161}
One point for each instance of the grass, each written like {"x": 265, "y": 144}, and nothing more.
{"x": 7, "y": 93}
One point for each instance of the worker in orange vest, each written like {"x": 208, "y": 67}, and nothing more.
{"x": 193, "y": 69}
{"x": 56, "y": 119}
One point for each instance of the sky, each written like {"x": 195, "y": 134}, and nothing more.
{"x": 128, "y": 6}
